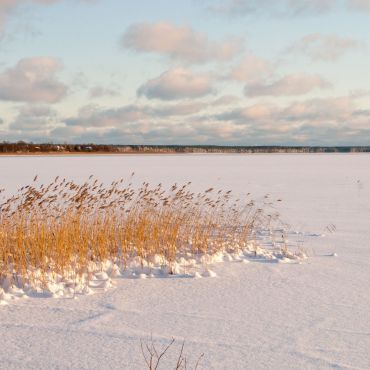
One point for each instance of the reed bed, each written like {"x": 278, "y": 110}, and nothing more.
{"x": 59, "y": 230}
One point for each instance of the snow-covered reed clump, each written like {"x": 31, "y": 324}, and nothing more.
{"x": 63, "y": 238}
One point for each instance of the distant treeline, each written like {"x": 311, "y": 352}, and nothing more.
{"x": 23, "y": 147}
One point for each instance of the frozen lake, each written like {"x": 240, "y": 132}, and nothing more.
{"x": 314, "y": 315}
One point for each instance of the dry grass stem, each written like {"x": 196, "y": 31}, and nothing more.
{"x": 57, "y": 231}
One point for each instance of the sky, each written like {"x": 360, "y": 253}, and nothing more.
{"x": 221, "y": 72}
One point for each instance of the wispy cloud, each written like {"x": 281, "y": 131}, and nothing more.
{"x": 324, "y": 47}
{"x": 100, "y": 91}
{"x": 290, "y": 85}
{"x": 284, "y": 7}
{"x": 8, "y": 6}
{"x": 277, "y": 7}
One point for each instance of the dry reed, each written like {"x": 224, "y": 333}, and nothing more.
{"x": 62, "y": 227}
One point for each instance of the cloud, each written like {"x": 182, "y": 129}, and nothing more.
{"x": 251, "y": 68}
{"x": 361, "y": 5}
{"x": 32, "y": 80}
{"x": 314, "y": 124}
{"x": 256, "y": 112}
{"x": 260, "y": 111}
{"x": 276, "y": 8}
{"x": 179, "y": 109}
{"x": 323, "y": 47}
{"x": 225, "y": 100}
{"x": 313, "y": 111}
{"x": 8, "y": 6}
{"x": 94, "y": 116}
{"x": 35, "y": 119}
{"x": 100, "y": 91}
{"x": 178, "y": 42}
{"x": 308, "y": 7}
{"x": 294, "y": 84}
{"x": 167, "y": 132}
{"x": 177, "y": 83}
{"x": 320, "y": 110}
{"x": 325, "y": 121}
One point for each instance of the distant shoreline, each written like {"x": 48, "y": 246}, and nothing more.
{"x": 82, "y": 154}
{"x": 52, "y": 153}
{"x": 23, "y": 148}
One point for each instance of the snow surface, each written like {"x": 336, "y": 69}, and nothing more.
{"x": 256, "y": 315}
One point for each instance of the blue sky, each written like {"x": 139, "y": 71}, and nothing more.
{"x": 239, "y": 72}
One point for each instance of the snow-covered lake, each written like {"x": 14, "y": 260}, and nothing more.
{"x": 314, "y": 315}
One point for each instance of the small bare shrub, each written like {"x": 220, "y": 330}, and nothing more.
{"x": 153, "y": 357}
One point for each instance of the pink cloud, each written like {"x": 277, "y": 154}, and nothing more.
{"x": 251, "y": 68}
{"x": 360, "y": 4}
{"x": 32, "y": 80}
{"x": 329, "y": 109}
{"x": 178, "y": 42}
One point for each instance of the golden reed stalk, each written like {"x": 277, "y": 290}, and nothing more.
{"x": 64, "y": 226}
